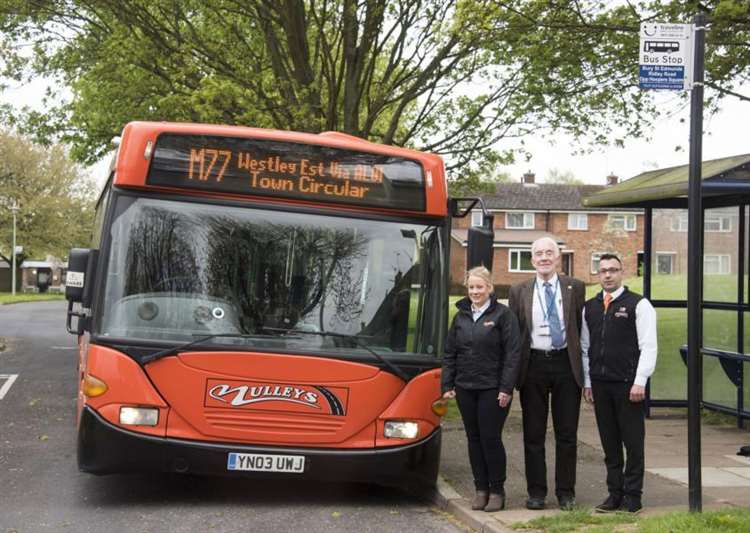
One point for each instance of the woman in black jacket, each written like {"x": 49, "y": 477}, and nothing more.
{"x": 480, "y": 368}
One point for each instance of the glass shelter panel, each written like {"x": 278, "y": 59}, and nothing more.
{"x": 721, "y": 246}
{"x": 720, "y": 330}
{"x": 717, "y": 387}
{"x": 669, "y": 260}
{"x": 670, "y": 378}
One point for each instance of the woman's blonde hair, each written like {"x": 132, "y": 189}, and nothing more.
{"x": 481, "y": 273}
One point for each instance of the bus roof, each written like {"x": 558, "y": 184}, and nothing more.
{"x": 139, "y": 155}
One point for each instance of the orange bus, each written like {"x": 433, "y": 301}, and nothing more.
{"x": 263, "y": 303}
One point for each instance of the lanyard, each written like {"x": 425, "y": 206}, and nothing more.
{"x": 546, "y": 311}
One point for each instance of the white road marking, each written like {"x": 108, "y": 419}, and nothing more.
{"x": 63, "y": 347}
{"x": 9, "y": 379}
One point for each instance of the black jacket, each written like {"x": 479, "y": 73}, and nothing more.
{"x": 484, "y": 354}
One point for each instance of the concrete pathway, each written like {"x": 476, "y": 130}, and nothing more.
{"x": 726, "y": 476}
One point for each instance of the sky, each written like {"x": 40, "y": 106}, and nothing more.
{"x": 725, "y": 134}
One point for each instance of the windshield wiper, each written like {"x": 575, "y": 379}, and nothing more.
{"x": 357, "y": 340}
{"x": 175, "y": 349}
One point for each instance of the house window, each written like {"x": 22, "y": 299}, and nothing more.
{"x": 477, "y": 218}
{"x": 578, "y": 221}
{"x": 623, "y": 222}
{"x": 595, "y": 261}
{"x": 664, "y": 263}
{"x": 520, "y": 261}
{"x": 716, "y": 264}
{"x": 719, "y": 223}
{"x": 711, "y": 223}
{"x": 519, "y": 220}
{"x": 680, "y": 223}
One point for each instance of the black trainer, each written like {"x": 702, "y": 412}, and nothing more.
{"x": 631, "y": 504}
{"x": 535, "y": 504}
{"x": 610, "y": 505}
{"x": 567, "y": 503}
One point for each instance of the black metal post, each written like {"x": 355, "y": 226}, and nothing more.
{"x": 741, "y": 314}
{"x": 695, "y": 270}
{"x": 648, "y": 220}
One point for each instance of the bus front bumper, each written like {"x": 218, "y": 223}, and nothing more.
{"x": 107, "y": 449}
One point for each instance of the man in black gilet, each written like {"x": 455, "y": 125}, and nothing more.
{"x": 618, "y": 344}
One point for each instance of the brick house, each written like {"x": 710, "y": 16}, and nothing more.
{"x": 721, "y": 226}
{"x": 526, "y": 211}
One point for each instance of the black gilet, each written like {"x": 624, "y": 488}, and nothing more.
{"x": 613, "y": 352}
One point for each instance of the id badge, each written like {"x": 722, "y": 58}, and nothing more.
{"x": 544, "y": 330}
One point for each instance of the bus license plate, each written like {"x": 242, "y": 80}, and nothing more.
{"x": 257, "y": 462}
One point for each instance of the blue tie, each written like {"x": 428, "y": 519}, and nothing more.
{"x": 555, "y": 330}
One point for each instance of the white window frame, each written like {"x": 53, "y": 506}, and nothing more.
{"x": 477, "y": 219}
{"x": 514, "y": 251}
{"x": 679, "y": 223}
{"x": 727, "y": 263}
{"x": 626, "y": 217}
{"x": 575, "y": 219}
{"x": 672, "y": 256}
{"x": 528, "y": 221}
{"x": 595, "y": 261}
{"x": 721, "y": 219}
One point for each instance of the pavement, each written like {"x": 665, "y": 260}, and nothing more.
{"x": 725, "y": 475}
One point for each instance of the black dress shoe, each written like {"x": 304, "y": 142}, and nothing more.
{"x": 631, "y": 504}
{"x": 535, "y": 504}
{"x": 567, "y": 503}
{"x": 610, "y": 505}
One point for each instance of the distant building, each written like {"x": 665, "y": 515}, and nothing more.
{"x": 43, "y": 276}
{"x": 526, "y": 211}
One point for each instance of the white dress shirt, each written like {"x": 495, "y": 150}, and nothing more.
{"x": 540, "y": 337}
{"x": 476, "y": 313}
{"x": 645, "y": 325}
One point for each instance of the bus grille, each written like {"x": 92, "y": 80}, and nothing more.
{"x": 273, "y": 423}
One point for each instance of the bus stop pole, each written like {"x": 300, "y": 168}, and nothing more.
{"x": 695, "y": 269}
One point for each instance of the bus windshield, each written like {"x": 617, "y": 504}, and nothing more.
{"x": 177, "y": 269}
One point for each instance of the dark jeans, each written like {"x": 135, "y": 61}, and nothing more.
{"x": 621, "y": 423}
{"x": 550, "y": 376}
{"x": 483, "y": 421}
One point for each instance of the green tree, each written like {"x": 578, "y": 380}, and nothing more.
{"x": 555, "y": 175}
{"x": 456, "y": 77}
{"x": 54, "y": 199}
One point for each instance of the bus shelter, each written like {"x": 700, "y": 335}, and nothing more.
{"x": 662, "y": 279}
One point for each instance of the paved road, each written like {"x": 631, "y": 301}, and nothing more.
{"x": 41, "y": 489}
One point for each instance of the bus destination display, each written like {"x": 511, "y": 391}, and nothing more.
{"x": 289, "y": 170}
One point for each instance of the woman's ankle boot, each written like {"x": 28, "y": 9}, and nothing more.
{"x": 480, "y": 500}
{"x": 496, "y": 502}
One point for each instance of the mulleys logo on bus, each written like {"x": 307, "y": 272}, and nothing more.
{"x": 246, "y": 394}
{"x": 282, "y": 397}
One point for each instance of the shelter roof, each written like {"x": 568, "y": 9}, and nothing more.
{"x": 668, "y": 187}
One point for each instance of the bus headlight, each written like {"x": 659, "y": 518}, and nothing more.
{"x": 400, "y": 429}
{"x": 138, "y": 416}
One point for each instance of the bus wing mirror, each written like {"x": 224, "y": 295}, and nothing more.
{"x": 480, "y": 245}
{"x": 79, "y": 283}
{"x": 75, "y": 279}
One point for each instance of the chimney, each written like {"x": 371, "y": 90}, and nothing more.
{"x": 612, "y": 179}
{"x": 528, "y": 177}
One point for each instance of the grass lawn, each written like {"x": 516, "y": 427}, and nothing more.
{"x": 724, "y": 520}
{"x": 8, "y": 298}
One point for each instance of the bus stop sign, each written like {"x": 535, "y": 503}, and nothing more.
{"x": 666, "y": 56}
